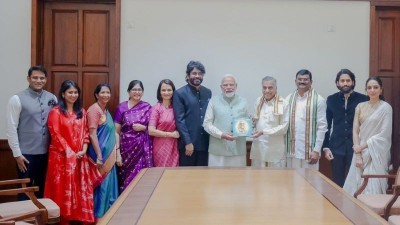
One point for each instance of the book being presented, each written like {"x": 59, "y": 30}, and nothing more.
{"x": 242, "y": 127}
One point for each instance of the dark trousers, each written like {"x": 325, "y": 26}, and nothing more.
{"x": 340, "y": 166}
{"x": 36, "y": 171}
{"x": 198, "y": 158}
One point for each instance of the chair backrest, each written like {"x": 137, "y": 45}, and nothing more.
{"x": 397, "y": 180}
{"x": 28, "y": 207}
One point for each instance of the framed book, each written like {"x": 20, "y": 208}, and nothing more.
{"x": 242, "y": 127}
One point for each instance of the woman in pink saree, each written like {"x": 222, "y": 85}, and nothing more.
{"x": 131, "y": 120}
{"x": 372, "y": 137}
{"x": 162, "y": 127}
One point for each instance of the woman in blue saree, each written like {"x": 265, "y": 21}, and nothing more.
{"x": 103, "y": 150}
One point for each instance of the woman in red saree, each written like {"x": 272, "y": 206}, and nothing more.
{"x": 70, "y": 176}
{"x": 162, "y": 127}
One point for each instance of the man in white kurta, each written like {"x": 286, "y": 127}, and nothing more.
{"x": 271, "y": 119}
{"x": 307, "y": 124}
{"x": 225, "y": 149}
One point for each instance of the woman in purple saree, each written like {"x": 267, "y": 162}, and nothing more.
{"x": 131, "y": 120}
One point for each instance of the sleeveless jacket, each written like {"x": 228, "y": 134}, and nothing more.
{"x": 33, "y": 134}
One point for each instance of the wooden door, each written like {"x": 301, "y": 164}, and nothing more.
{"x": 79, "y": 44}
{"x": 385, "y": 62}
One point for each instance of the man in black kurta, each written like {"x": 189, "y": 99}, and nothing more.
{"x": 338, "y": 145}
{"x": 190, "y": 103}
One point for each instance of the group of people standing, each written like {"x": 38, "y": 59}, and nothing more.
{"x": 68, "y": 152}
{"x": 352, "y": 129}
{"x": 73, "y": 155}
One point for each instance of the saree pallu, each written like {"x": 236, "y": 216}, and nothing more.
{"x": 376, "y": 131}
{"x": 70, "y": 181}
{"x": 135, "y": 146}
{"x": 165, "y": 150}
{"x": 107, "y": 192}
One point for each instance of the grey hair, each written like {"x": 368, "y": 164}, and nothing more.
{"x": 268, "y": 78}
{"x": 228, "y": 75}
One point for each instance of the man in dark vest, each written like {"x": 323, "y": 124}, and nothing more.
{"x": 338, "y": 144}
{"x": 27, "y": 131}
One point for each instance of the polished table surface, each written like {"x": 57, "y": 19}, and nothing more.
{"x": 204, "y": 195}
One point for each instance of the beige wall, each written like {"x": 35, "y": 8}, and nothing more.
{"x": 249, "y": 38}
{"x": 15, "y": 51}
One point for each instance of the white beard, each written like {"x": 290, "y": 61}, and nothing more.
{"x": 229, "y": 95}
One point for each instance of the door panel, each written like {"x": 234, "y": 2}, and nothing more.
{"x": 59, "y": 77}
{"x": 79, "y": 44}
{"x": 90, "y": 81}
{"x": 64, "y": 38}
{"x": 385, "y": 62}
{"x": 95, "y": 28}
{"x": 387, "y": 57}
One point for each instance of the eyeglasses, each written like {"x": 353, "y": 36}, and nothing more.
{"x": 136, "y": 90}
{"x": 197, "y": 73}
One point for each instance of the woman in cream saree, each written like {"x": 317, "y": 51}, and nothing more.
{"x": 372, "y": 137}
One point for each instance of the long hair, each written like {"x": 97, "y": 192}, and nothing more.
{"x": 195, "y": 65}
{"x": 377, "y": 79}
{"x": 165, "y": 81}
{"x": 67, "y": 84}
{"x": 348, "y": 72}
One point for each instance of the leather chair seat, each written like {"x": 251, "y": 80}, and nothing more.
{"x": 377, "y": 203}
{"x": 9, "y": 209}
{"x": 394, "y": 220}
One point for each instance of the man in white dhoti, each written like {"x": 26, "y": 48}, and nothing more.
{"x": 225, "y": 149}
{"x": 271, "y": 120}
{"x": 307, "y": 124}
{"x": 372, "y": 138}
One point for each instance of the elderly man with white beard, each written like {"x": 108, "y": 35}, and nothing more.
{"x": 225, "y": 149}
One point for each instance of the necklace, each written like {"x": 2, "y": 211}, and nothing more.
{"x": 367, "y": 109}
{"x": 374, "y": 105}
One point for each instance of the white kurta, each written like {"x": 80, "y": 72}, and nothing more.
{"x": 300, "y": 124}
{"x": 270, "y": 146}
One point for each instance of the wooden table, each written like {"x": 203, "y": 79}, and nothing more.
{"x": 203, "y": 195}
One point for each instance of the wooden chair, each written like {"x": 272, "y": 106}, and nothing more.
{"x": 11, "y": 209}
{"x": 39, "y": 216}
{"x": 383, "y": 204}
